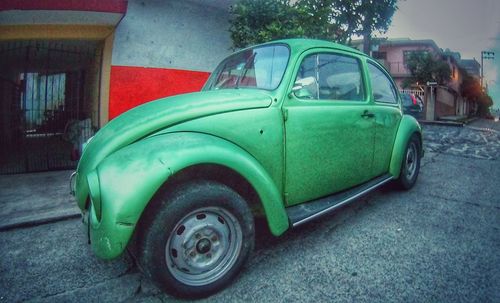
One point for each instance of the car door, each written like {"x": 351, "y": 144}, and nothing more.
{"x": 387, "y": 116}
{"x": 329, "y": 133}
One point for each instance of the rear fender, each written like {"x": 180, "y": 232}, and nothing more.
{"x": 407, "y": 128}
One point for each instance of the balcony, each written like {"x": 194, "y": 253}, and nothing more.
{"x": 396, "y": 69}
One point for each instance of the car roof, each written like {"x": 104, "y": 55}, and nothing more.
{"x": 298, "y": 45}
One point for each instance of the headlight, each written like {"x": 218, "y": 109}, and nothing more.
{"x": 72, "y": 184}
{"x": 95, "y": 192}
{"x": 84, "y": 144}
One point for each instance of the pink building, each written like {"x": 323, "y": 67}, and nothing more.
{"x": 447, "y": 101}
{"x": 393, "y": 54}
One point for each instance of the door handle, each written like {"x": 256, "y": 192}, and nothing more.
{"x": 367, "y": 114}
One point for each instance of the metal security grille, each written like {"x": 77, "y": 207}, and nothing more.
{"x": 49, "y": 92}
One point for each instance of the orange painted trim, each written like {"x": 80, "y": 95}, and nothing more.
{"x": 27, "y": 32}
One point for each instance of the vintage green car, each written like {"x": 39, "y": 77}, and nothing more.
{"x": 289, "y": 130}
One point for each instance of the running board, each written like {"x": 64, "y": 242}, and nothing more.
{"x": 305, "y": 212}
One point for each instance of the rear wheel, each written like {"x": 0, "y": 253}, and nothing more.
{"x": 198, "y": 240}
{"x": 410, "y": 166}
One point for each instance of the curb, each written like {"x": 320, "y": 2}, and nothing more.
{"x": 483, "y": 129}
{"x": 471, "y": 120}
{"x": 38, "y": 220}
{"x": 442, "y": 123}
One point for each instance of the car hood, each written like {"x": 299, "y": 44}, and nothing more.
{"x": 153, "y": 116}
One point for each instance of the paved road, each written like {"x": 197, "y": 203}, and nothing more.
{"x": 436, "y": 243}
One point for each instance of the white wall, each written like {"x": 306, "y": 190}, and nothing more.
{"x": 172, "y": 34}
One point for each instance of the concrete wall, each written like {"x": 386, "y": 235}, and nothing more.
{"x": 445, "y": 103}
{"x": 172, "y": 34}
{"x": 163, "y": 48}
{"x": 91, "y": 93}
{"x": 7, "y": 94}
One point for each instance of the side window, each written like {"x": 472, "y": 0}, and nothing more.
{"x": 330, "y": 77}
{"x": 383, "y": 90}
{"x": 307, "y": 77}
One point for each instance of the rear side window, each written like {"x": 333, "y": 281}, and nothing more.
{"x": 335, "y": 77}
{"x": 382, "y": 88}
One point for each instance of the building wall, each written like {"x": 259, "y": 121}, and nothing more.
{"x": 395, "y": 57}
{"x": 445, "y": 103}
{"x": 456, "y": 77}
{"x": 91, "y": 94}
{"x": 163, "y": 48}
{"x": 7, "y": 117}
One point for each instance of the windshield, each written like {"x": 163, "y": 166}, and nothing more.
{"x": 261, "y": 67}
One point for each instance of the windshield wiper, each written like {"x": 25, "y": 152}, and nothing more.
{"x": 250, "y": 59}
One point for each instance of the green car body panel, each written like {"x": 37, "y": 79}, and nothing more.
{"x": 286, "y": 148}
{"x": 406, "y": 129}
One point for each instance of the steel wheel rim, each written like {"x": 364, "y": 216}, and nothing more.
{"x": 203, "y": 246}
{"x": 411, "y": 160}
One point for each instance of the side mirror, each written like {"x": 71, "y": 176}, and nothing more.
{"x": 299, "y": 84}
{"x": 299, "y": 87}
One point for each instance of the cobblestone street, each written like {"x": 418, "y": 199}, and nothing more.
{"x": 475, "y": 141}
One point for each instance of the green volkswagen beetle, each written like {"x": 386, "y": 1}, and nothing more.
{"x": 289, "y": 130}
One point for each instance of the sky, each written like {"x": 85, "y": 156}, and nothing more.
{"x": 466, "y": 26}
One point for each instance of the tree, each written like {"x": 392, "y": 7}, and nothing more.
{"x": 471, "y": 89}
{"x": 372, "y": 15}
{"x": 484, "y": 103}
{"x": 423, "y": 67}
{"x": 257, "y": 21}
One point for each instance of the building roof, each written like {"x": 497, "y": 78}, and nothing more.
{"x": 410, "y": 42}
{"x": 471, "y": 65}
{"x": 400, "y": 42}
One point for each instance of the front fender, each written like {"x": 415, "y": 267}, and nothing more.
{"x": 407, "y": 127}
{"x": 130, "y": 177}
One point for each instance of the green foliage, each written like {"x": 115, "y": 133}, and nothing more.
{"x": 470, "y": 88}
{"x": 484, "y": 103}
{"x": 255, "y": 21}
{"x": 424, "y": 67}
{"x": 258, "y": 21}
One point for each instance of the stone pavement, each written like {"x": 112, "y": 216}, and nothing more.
{"x": 480, "y": 139}
{"x": 31, "y": 199}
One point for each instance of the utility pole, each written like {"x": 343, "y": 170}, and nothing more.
{"x": 485, "y": 55}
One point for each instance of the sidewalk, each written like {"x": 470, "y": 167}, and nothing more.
{"x": 485, "y": 124}
{"x": 36, "y": 198}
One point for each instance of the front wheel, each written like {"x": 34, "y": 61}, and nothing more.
{"x": 410, "y": 166}
{"x": 198, "y": 240}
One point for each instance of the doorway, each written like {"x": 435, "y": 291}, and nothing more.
{"x": 49, "y": 102}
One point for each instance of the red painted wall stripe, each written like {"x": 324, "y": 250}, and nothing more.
{"x": 132, "y": 86}
{"x": 107, "y": 6}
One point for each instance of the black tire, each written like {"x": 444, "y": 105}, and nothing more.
{"x": 410, "y": 166}
{"x": 195, "y": 240}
